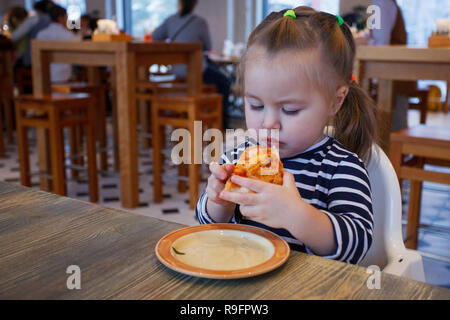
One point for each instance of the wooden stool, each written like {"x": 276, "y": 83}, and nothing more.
{"x": 181, "y": 111}
{"x": 2, "y": 142}
{"x": 55, "y": 112}
{"x": 98, "y": 94}
{"x": 6, "y": 100}
{"x": 146, "y": 91}
{"x": 428, "y": 145}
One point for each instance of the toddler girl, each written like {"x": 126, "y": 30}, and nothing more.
{"x": 296, "y": 76}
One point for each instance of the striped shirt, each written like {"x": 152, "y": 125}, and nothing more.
{"x": 334, "y": 181}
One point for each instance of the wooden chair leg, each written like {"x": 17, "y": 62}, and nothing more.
{"x": 193, "y": 185}
{"x": 115, "y": 121}
{"x": 74, "y": 151}
{"x": 157, "y": 163}
{"x": 423, "y": 112}
{"x": 193, "y": 168}
{"x": 57, "y": 154}
{"x": 415, "y": 195}
{"x": 101, "y": 133}
{"x": 145, "y": 122}
{"x": 182, "y": 172}
{"x": 92, "y": 155}
{"x": 415, "y": 200}
{"x": 79, "y": 141}
{"x": 2, "y": 142}
{"x": 219, "y": 122}
{"x": 24, "y": 156}
{"x": 9, "y": 119}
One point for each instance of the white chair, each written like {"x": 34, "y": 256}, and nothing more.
{"x": 388, "y": 251}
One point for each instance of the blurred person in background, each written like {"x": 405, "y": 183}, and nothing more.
{"x": 393, "y": 32}
{"x": 16, "y": 16}
{"x": 88, "y": 24}
{"x": 184, "y": 26}
{"x": 31, "y": 26}
{"x": 57, "y": 31}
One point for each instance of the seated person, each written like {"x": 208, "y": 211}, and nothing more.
{"x": 57, "y": 30}
{"x": 184, "y": 26}
{"x": 17, "y": 15}
{"x": 30, "y": 27}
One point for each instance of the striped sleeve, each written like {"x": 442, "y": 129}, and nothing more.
{"x": 350, "y": 210}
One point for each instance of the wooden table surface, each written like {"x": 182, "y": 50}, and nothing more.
{"x": 398, "y": 62}
{"x": 125, "y": 58}
{"x": 42, "y": 234}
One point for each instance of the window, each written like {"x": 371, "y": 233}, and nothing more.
{"x": 330, "y": 6}
{"x": 420, "y": 18}
{"x": 147, "y": 15}
{"x": 75, "y": 8}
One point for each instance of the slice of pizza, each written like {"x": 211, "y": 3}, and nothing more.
{"x": 257, "y": 162}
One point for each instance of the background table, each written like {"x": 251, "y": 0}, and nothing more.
{"x": 388, "y": 63}
{"x": 125, "y": 58}
{"x": 42, "y": 234}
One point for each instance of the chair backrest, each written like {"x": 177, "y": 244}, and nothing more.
{"x": 387, "y": 210}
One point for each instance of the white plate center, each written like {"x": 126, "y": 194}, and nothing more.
{"x": 222, "y": 249}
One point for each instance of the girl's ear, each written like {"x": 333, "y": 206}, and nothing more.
{"x": 341, "y": 94}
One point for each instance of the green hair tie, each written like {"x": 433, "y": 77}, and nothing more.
{"x": 340, "y": 20}
{"x": 290, "y": 13}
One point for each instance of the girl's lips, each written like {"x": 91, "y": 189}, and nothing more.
{"x": 272, "y": 142}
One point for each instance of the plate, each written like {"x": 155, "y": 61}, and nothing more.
{"x": 222, "y": 251}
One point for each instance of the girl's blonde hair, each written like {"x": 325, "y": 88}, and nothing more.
{"x": 355, "y": 122}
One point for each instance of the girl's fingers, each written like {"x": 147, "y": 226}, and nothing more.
{"x": 288, "y": 178}
{"x": 249, "y": 211}
{"x": 252, "y": 184}
{"x": 229, "y": 168}
{"x": 214, "y": 196}
{"x": 217, "y": 185}
{"x": 218, "y": 171}
{"x": 248, "y": 199}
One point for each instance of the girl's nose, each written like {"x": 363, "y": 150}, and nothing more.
{"x": 271, "y": 120}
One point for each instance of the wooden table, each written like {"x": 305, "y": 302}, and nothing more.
{"x": 42, "y": 234}
{"x": 125, "y": 58}
{"x": 388, "y": 63}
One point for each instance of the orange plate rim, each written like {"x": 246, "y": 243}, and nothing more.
{"x": 164, "y": 246}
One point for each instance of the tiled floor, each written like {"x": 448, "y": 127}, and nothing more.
{"x": 434, "y": 244}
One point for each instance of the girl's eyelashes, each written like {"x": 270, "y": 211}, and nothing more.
{"x": 256, "y": 107}
{"x": 290, "y": 112}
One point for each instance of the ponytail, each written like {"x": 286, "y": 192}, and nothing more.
{"x": 355, "y": 123}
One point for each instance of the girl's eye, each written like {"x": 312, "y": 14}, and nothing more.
{"x": 290, "y": 112}
{"x": 256, "y": 107}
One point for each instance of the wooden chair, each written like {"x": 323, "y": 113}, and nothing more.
{"x": 180, "y": 111}
{"x": 7, "y": 92}
{"x": 2, "y": 142}
{"x": 409, "y": 89}
{"x": 23, "y": 80}
{"x": 55, "y": 112}
{"x": 98, "y": 94}
{"x": 427, "y": 145}
{"x": 146, "y": 90}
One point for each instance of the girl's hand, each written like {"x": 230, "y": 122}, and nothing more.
{"x": 216, "y": 182}
{"x": 271, "y": 204}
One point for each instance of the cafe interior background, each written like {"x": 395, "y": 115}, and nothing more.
{"x": 230, "y": 24}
